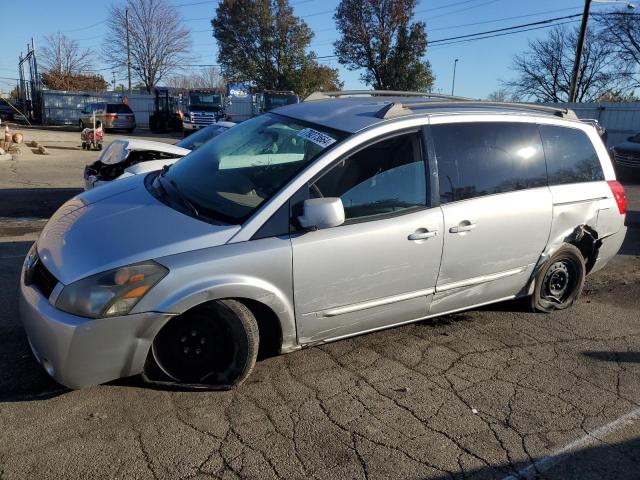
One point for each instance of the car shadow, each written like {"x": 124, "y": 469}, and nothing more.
{"x": 615, "y": 460}
{"x": 33, "y": 202}
{"x": 615, "y": 357}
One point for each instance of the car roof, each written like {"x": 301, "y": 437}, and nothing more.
{"x": 352, "y": 114}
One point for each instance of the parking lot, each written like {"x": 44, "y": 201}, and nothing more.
{"x": 493, "y": 393}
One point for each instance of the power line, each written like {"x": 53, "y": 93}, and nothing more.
{"x": 541, "y": 22}
{"x": 460, "y": 10}
{"x": 504, "y": 33}
{"x": 451, "y": 27}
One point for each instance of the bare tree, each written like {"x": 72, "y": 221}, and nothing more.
{"x": 503, "y": 95}
{"x": 622, "y": 30}
{"x": 64, "y": 56}
{"x": 159, "y": 42}
{"x": 207, "y": 78}
{"x": 544, "y": 71}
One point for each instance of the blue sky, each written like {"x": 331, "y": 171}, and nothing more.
{"x": 482, "y": 64}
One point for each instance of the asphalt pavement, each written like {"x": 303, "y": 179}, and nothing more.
{"x": 493, "y": 393}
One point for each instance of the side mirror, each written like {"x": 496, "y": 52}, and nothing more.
{"x": 320, "y": 213}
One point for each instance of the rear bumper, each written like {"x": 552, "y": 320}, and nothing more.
{"x": 79, "y": 352}
{"x": 610, "y": 247}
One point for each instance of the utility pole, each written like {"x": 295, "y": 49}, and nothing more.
{"x": 573, "y": 92}
{"x": 126, "y": 21}
{"x": 114, "y": 80}
{"x": 453, "y": 83}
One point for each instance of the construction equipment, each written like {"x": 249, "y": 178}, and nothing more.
{"x": 166, "y": 116}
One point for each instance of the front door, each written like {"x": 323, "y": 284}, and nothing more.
{"x": 497, "y": 210}
{"x": 380, "y": 267}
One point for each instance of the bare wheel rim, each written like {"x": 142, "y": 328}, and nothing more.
{"x": 560, "y": 281}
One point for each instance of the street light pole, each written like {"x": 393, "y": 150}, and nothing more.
{"x": 453, "y": 82}
{"x": 126, "y": 21}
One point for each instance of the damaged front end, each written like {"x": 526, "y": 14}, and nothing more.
{"x": 116, "y": 159}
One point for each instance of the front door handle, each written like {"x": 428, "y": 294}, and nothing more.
{"x": 464, "y": 226}
{"x": 422, "y": 234}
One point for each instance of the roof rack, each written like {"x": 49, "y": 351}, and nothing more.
{"x": 379, "y": 93}
{"x": 397, "y": 109}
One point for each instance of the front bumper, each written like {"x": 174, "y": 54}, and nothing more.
{"x": 188, "y": 126}
{"x": 79, "y": 352}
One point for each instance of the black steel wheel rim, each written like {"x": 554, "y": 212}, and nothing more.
{"x": 560, "y": 281}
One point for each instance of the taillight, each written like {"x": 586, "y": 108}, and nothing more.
{"x": 111, "y": 116}
{"x": 619, "y": 194}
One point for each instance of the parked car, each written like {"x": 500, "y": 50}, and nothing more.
{"x": 602, "y": 132}
{"x": 112, "y": 115}
{"x": 317, "y": 222}
{"x": 123, "y": 158}
{"x": 626, "y": 156}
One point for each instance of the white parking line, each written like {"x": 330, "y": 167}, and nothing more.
{"x": 592, "y": 438}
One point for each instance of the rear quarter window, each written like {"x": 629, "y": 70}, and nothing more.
{"x": 486, "y": 158}
{"x": 571, "y": 157}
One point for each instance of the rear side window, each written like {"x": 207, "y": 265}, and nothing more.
{"x": 118, "y": 108}
{"x": 386, "y": 178}
{"x": 571, "y": 157}
{"x": 485, "y": 158}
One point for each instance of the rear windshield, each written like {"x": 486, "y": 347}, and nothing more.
{"x": 118, "y": 108}
{"x": 196, "y": 140}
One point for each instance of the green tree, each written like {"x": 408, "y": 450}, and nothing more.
{"x": 378, "y": 36}
{"x": 264, "y": 43}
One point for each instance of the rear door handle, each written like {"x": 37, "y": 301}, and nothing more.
{"x": 464, "y": 226}
{"x": 422, "y": 234}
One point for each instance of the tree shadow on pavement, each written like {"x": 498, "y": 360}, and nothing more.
{"x": 21, "y": 377}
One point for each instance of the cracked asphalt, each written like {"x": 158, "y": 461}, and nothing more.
{"x": 484, "y": 394}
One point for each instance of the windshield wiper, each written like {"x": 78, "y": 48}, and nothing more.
{"x": 185, "y": 201}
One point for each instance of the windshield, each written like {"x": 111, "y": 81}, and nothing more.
{"x": 205, "y": 100}
{"x": 230, "y": 178}
{"x": 196, "y": 140}
{"x": 275, "y": 101}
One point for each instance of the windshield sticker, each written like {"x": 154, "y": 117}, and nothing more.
{"x": 319, "y": 138}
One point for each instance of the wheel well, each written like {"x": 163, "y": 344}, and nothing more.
{"x": 585, "y": 239}
{"x": 268, "y": 327}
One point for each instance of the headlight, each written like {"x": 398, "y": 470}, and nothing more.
{"x": 29, "y": 261}
{"x": 111, "y": 293}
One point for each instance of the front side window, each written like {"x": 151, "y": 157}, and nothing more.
{"x": 383, "y": 179}
{"x": 230, "y": 178}
{"x": 571, "y": 157}
{"x": 485, "y": 158}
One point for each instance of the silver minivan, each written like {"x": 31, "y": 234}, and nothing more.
{"x": 315, "y": 222}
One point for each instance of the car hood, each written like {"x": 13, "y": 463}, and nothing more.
{"x": 627, "y": 147}
{"x": 119, "y": 224}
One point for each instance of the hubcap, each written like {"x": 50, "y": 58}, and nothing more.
{"x": 191, "y": 349}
